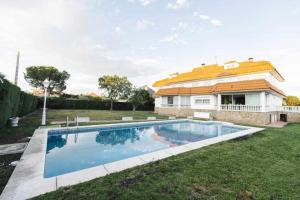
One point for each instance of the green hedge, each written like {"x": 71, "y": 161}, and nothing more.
{"x": 61, "y": 103}
{"x": 14, "y": 102}
{"x": 27, "y": 104}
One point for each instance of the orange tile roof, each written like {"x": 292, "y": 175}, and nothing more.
{"x": 239, "y": 86}
{"x": 217, "y": 71}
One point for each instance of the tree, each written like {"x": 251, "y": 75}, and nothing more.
{"x": 1, "y": 77}
{"x": 139, "y": 97}
{"x": 35, "y": 76}
{"x": 292, "y": 101}
{"x": 115, "y": 86}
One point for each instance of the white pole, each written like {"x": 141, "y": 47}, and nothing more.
{"x": 44, "y": 109}
{"x": 17, "y": 69}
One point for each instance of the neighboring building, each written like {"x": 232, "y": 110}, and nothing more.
{"x": 149, "y": 90}
{"x": 243, "y": 92}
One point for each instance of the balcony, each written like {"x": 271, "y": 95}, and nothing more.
{"x": 246, "y": 108}
{"x": 243, "y": 108}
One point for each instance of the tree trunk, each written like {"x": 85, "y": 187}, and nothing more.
{"x": 111, "y": 104}
{"x": 133, "y": 108}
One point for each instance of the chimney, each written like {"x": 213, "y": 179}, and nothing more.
{"x": 250, "y": 59}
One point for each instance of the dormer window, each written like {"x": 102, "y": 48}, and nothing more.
{"x": 231, "y": 64}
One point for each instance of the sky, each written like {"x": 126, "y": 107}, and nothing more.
{"x": 147, "y": 40}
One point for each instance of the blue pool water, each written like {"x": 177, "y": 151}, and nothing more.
{"x": 70, "y": 150}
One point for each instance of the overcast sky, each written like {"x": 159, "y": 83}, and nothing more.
{"x": 146, "y": 40}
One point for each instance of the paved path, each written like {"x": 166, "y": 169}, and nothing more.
{"x": 277, "y": 124}
{"x": 12, "y": 148}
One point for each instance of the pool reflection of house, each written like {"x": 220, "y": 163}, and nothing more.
{"x": 185, "y": 132}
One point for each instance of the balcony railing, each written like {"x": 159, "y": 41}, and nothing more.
{"x": 288, "y": 108}
{"x": 245, "y": 108}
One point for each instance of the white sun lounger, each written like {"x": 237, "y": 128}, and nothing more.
{"x": 82, "y": 119}
{"x": 127, "y": 118}
{"x": 151, "y": 118}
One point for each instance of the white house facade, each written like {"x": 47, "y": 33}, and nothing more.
{"x": 243, "y": 92}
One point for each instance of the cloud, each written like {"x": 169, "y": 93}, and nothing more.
{"x": 212, "y": 21}
{"x": 216, "y": 22}
{"x": 57, "y": 33}
{"x": 142, "y": 2}
{"x": 204, "y": 17}
{"x": 178, "y": 4}
{"x": 143, "y": 24}
{"x": 174, "y": 39}
{"x": 117, "y": 29}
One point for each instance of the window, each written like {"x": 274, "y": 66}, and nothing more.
{"x": 202, "y": 101}
{"x": 233, "y": 99}
{"x": 226, "y": 99}
{"x": 170, "y": 100}
{"x": 185, "y": 101}
{"x": 239, "y": 99}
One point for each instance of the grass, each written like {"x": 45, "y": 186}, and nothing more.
{"x": 263, "y": 166}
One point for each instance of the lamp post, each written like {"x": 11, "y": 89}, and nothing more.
{"x": 46, "y": 85}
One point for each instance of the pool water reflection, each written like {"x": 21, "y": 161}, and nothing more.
{"x": 68, "y": 152}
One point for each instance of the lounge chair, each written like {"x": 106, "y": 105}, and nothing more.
{"x": 151, "y": 118}
{"x": 127, "y": 118}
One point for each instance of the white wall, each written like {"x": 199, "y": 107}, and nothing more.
{"x": 158, "y": 101}
{"x": 210, "y": 106}
{"x": 252, "y": 99}
{"x": 273, "y": 100}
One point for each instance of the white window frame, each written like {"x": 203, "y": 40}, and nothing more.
{"x": 202, "y": 101}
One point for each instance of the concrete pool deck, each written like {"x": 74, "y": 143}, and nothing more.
{"x": 28, "y": 179}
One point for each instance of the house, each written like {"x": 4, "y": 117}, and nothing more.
{"x": 243, "y": 92}
{"x": 149, "y": 90}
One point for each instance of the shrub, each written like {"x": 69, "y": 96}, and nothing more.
{"x": 60, "y": 103}
{"x": 27, "y": 104}
{"x": 14, "y": 102}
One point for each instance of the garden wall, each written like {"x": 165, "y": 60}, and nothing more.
{"x": 61, "y": 103}
{"x": 14, "y": 102}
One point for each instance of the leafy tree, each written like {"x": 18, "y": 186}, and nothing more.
{"x": 115, "y": 86}
{"x": 1, "y": 77}
{"x": 139, "y": 97}
{"x": 292, "y": 101}
{"x": 35, "y": 76}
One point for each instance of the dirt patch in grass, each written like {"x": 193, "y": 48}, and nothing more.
{"x": 6, "y": 169}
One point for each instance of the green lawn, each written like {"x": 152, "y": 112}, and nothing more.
{"x": 31, "y": 122}
{"x": 263, "y": 166}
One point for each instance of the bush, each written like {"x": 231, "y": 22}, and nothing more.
{"x": 27, "y": 104}
{"x": 60, "y": 103}
{"x": 14, "y": 102}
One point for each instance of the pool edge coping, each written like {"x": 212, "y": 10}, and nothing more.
{"x": 27, "y": 179}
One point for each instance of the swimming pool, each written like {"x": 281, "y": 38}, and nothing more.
{"x": 70, "y": 150}
{"x": 60, "y": 157}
